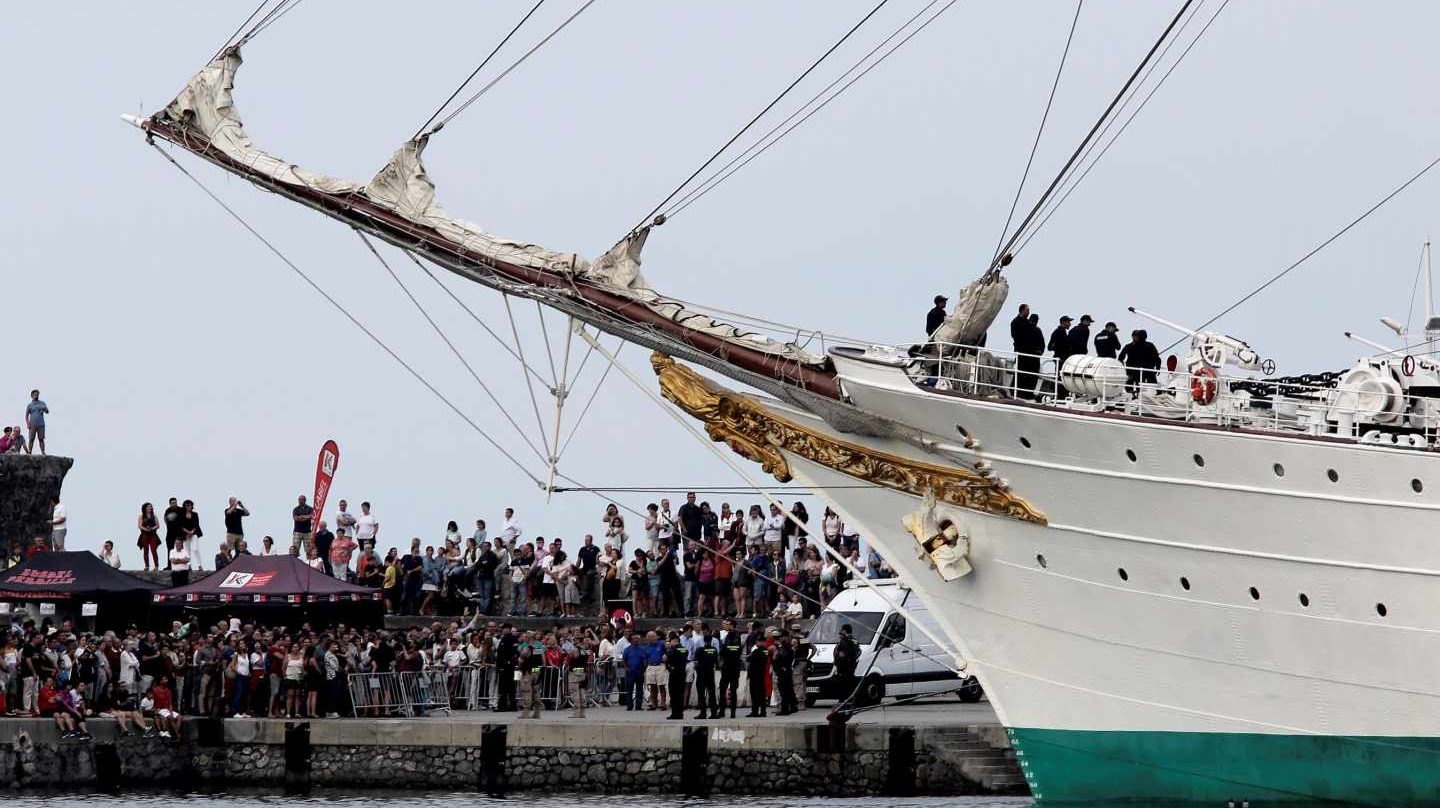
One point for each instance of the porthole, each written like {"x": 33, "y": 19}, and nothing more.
{"x": 1184, "y": 583}
{"x": 1040, "y": 559}
{"x": 1199, "y": 461}
{"x": 963, "y": 432}
{"x": 1333, "y": 475}
{"x": 1304, "y": 600}
{"x": 1279, "y": 470}
{"x": 1130, "y": 453}
{"x": 1254, "y": 593}
{"x": 1416, "y": 485}
{"x": 1024, "y": 441}
{"x": 1124, "y": 576}
{"x": 1380, "y": 609}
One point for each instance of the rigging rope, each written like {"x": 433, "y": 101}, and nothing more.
{"x": 529, "y": 388}
{"x": 449, "y": 344}
{"x": 1415, "y": 291}
{"x": 1064, "y": 170}
{"x": 1307, "y": 256}
{"x": 352, "y": 318}
{"x": 526, "y": 55}
{"x": 241, "y": 27}
{"x": 498, "y": 340}
{"x": 645, "y": 219}
{"x": 717, "y": 179}
{"x": 575, "y": 427}
{"x": 1034, "y": 147}
{"x": 681, "y": 202}
{"x": 1074, "y": 180}
{"x": 476, "y": 71}
{"x": 270, "y": 20}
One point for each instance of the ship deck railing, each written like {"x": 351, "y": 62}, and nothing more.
{"x": 1283, "y": 405}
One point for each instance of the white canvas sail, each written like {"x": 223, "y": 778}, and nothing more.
{"x": 206, "y": 108}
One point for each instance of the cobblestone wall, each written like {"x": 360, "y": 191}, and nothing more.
{"x": 47, "y": 763}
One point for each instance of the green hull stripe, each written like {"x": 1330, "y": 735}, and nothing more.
{"x": 1215, "y": 768}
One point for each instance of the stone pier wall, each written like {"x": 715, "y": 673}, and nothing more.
{"x": 438, "y": 754}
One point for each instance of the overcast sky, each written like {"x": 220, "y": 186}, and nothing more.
{"x": 180, "y": 358}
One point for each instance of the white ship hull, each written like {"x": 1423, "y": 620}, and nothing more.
{"x": 1213, "y": 619}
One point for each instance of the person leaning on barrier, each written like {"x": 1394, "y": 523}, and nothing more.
{"x": 531, "y": 661}
{"x": 580, "y": 661}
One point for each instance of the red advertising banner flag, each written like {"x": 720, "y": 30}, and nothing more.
{"x": 324, "y": 475}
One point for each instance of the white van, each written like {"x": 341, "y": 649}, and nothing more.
{"x": 896, "y": 659}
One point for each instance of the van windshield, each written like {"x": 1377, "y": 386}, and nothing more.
{"x": 826, "y": 630}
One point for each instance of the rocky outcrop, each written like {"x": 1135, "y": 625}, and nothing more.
{"x": 26, "y": 484}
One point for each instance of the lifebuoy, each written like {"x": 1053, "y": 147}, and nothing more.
{"x": 1202, "y": 385}
{"x": 1407, "y": 365}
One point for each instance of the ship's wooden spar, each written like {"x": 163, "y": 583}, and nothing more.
{"x": 590, "y": 303}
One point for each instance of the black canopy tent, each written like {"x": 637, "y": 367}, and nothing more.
{"x": 69, "y": 579}
{"x": 268, "y": 583}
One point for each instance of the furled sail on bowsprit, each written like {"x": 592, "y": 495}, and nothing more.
{"x": 203, "y": 118}
{"x": 977, "y": 308}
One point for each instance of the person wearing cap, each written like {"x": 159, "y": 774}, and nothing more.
{"x": 936, "y": 315}
{"x": 1080, "y": 336}
{"x": 1107, "y": 342}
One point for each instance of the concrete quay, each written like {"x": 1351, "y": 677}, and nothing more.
{"x": 938, "y": 748}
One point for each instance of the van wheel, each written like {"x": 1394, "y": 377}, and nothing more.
{"x": 872, "y": 691}
{"x": 970, "y": 691}
{"x": 810, "y": 700}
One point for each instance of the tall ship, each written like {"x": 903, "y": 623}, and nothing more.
{"x": 1198, "y": 583}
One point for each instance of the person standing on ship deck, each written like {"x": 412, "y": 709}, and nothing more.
{"x": 1141, "y": 358}
{"x": 1080, "y": 336}
{"x": 935, "y": 316}
{"x": 1027, "y": 360}
{"x": 1059, "y": 347}
{"x": 1107, "y": 342}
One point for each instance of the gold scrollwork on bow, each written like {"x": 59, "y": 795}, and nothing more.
{"x": 757, "y": 434}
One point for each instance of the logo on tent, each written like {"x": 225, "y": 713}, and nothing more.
{"x": 246, "y": 580}
{"x": 41, "y": 578}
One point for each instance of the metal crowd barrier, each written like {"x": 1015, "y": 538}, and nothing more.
{"x": 471, "y": 688}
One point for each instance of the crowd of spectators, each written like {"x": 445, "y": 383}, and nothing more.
{"x": 150, "y": 682}
{"x": 694, "y": 561}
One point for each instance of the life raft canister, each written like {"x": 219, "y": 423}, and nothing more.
{"x": 1202, "y": 386}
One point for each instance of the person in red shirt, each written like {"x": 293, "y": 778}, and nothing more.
{"x": 167, "y": 720}
{"x": 37, "y": 547}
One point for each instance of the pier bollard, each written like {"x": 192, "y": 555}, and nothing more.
{"x": 297, "y": 758}
{"x": 493, "y": 742}
{"x": 107, "y": 767}
{"x": 900, "y": 771}
{"x": 695, "y": 761}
